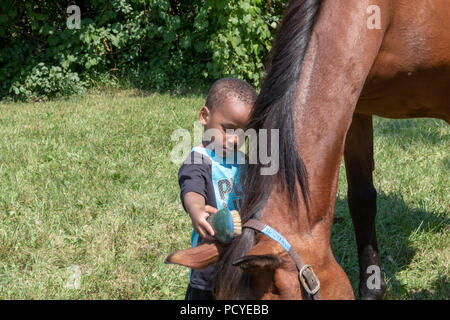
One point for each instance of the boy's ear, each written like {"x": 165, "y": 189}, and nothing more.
{"x": 198, "y": 257}
{"x": 204, "y": 115}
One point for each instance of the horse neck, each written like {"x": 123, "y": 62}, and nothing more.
{"x": 337, "y": 62}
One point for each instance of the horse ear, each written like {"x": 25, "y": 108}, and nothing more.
{"x": 198, "y": 257}
{"x": 248, "y": 262}
{"x": 261, "y": 255}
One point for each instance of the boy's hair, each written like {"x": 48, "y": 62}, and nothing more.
{"x": 227, "y": 88}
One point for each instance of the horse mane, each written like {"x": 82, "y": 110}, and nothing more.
{"x": 273, "y": 109}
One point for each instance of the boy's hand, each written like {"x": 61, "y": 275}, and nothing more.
{"x": 199, "y": 211}
{"x": 201, "y": 226}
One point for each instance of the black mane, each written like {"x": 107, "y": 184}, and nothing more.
{"x": 273, "y": 110}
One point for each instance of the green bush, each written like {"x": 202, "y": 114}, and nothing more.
{"x": 150, "y": 44}
{"x": 48, "y": 82}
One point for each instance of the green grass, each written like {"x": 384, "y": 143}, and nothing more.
{"x": 87, "y": 183}
{"x": 413, "y": 209}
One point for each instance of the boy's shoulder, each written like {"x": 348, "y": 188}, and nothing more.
{"x": 195, "y": 165}
{"x": 195, "y": 175}
{"x": 205, "y": 155}
{"x": 200, "y": 162}
{"x": 197, "y": 157}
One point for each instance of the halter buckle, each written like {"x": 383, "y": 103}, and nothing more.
{"x": 303, "y": 281}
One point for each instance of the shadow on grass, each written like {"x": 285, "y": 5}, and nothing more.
{"x": 445, "y": 163}
{"x": 396, "y": 225}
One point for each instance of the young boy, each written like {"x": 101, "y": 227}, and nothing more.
{"x": 208, "y": 180}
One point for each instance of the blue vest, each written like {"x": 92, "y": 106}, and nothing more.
{"x": 226, "y": 181}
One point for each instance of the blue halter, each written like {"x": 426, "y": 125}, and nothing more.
{"x": 306, "y": 275}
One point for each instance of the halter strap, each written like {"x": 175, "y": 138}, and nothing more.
{"x": 307, "y": 277}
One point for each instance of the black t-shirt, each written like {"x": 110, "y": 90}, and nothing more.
{"x": 217, "y": 179}
{"x": 197, "y": 177}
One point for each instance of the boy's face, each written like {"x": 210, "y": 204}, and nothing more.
{"x": 232, "y": 114}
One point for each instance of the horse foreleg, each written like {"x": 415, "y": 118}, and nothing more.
{"x": 362, "y": 196}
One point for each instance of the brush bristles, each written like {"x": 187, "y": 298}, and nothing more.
{"x": 236, "y": 223}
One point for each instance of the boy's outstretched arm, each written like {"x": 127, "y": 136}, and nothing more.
{"x": 195, "y": 206}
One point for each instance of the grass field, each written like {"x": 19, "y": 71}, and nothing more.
{"x": 87, "y": 189}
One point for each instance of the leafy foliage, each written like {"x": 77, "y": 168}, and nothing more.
{"x": 150, "y": 44}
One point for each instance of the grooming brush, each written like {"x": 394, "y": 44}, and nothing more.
{"x": 226, "y": 225}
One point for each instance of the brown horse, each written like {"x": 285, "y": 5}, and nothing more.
{"x": 332, "y": 67}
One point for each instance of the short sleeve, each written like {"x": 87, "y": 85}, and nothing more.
{"x": 192, "y": 177}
